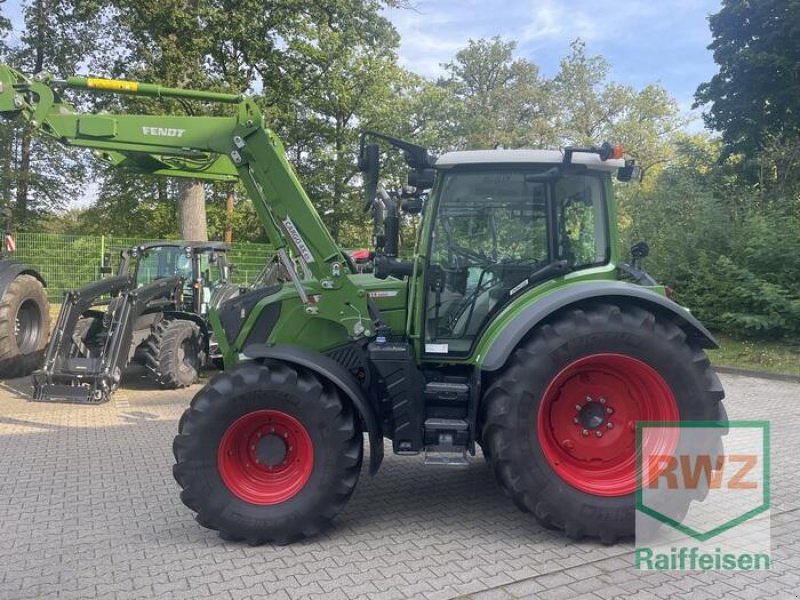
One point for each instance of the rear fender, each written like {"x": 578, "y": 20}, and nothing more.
{"x": 337, "y": 375}
{"x": 614, "y": 292}
{"x": 11, "y": 269}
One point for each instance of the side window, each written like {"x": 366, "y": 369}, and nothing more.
{"x": 581, "y": 214}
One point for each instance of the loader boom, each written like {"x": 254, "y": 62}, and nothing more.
{"x": 205, "y": 148}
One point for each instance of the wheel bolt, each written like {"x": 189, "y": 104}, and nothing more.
{"x": 610, "y": 425}
{"x": 585, "y": 432}
{"x": 575, "y": 420}
{"x": 602, "y": 400}
{"x": 577, "y": 407}
{"x": 631, "y": 425}
{"x": 610, "y": 410}
{"x": 285, "y": 435}
{"x": 589, "y": 398}
{"x": 252, "y": 447}
{"x": 599, "y": 434}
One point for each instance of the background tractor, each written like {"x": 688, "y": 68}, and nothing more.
{"x": 512, "y": 325}
{"x": 154, "y": 310}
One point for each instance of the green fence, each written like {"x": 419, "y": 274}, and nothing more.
{"x": 71, "y": 261}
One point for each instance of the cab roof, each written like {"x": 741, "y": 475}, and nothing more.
{"x": 198, "y": 246}
{"x": 525, "y": 156}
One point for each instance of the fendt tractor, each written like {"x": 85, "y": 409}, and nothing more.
{"x": 513, "y": 325}
{"x": 154, "y": 309}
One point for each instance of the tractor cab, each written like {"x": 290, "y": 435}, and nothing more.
{"x": 501, "y": 223}
{"x": 497, "y": 223}
{"x": 201, "y": 265}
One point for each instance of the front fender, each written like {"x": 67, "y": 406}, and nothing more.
{"x": 329, "y": 369}
{"x": 614, "y": 292}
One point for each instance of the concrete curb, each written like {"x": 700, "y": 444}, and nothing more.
{"x": 758, "y": 374}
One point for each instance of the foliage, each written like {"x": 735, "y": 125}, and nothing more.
{"x": 754, "y": 94}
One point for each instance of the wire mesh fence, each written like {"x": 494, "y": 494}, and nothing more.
{"x": 71, "y": 261}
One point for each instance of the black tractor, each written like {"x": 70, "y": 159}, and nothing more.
{"x": 153, "y": 311}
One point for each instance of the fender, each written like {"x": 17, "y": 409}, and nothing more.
{"x": 615, "y": 292}
{"x": 339, "y": 376}
{"x": 11, "y": 269}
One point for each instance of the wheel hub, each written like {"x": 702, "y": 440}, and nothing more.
{"x": 271, "y": 451}
{"x": 591, "y": 415}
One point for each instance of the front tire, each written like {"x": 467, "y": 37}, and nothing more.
{"x": 174, "y": 353}
{"x": 559, "y": 420}
{"x": 267, "y": 453}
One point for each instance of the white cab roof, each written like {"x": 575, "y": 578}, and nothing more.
{"x": 480, "y": 157}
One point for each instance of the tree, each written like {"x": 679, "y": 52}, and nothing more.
{"x": 754, "y": 96}
{"x": 503, "y": 99}
{"x": 56, "y": 37}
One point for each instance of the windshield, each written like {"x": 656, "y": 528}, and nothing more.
{"x": 493, "y": 230}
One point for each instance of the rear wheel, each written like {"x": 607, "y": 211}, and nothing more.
{"x": 267, "y": 453}
{"x": 24, "y": 326}
{"x": 559, "y": 421}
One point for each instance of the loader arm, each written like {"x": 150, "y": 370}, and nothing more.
{"x": 206, "y": 148}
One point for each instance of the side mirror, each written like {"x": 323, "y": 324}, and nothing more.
{"x": 369, "y": 164}
{"x": 422, "y": 179}
{"x": 412, "y": 206}
{"x": 629, "y": 172}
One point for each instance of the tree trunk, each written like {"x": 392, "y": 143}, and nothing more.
{"x": 23, "y": 176}
{"x": 229, "y": 216}
{"x": 192, "y": 211}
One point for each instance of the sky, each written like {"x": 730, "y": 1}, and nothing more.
{"x": 645, "y": 41}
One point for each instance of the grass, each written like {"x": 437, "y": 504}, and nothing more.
{"x": 757, "y": 355}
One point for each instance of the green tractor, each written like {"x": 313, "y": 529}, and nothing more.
{"x": 153, "y": 311}
{"x": 513, "y": 325}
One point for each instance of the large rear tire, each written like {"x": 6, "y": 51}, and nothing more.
{"x": 559, "y": 420}
{"x": 24, "y": 326}
{"x": 174, "y": 353}
{"x": 267, "y": 453}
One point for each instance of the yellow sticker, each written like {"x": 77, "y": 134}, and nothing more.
{"x": 114, "y": 85}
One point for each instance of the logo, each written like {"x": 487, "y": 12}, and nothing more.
{"x": 298, "y": 240}
{"x": 702, "y": 496}
{"x": 163, "y": 131}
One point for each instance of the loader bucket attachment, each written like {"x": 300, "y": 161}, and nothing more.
{"x": 75, "y": 372}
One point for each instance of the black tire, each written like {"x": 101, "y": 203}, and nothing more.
{"x": 245, "y": 390}
{"x": 510, "y": 409}
{"x": 24, "y": 326}
{"x": 174, "y": 353}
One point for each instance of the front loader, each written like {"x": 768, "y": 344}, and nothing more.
{"x": 154, "y": 309}
{"x": 512, "y": 326}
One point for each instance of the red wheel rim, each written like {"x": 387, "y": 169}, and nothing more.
{"x": 265, "y": 457}
{"x": 587, "y": 421}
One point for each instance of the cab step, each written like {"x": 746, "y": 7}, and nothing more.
{"x": 445, "y": 442}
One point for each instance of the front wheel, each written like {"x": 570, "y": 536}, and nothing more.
{"x": 174, "y": 353}
{"x": 267, "y": 453}
{"x": 560, "y": 420}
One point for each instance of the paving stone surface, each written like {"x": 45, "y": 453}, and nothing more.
{"x": 89, "y": 509}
